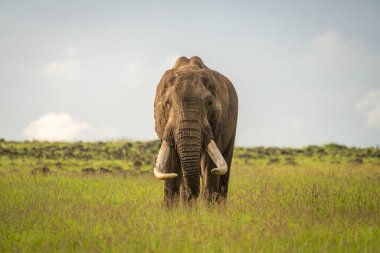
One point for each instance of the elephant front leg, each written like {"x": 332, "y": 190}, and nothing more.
{"x": 224, "y": 179}
{"x": 172, "y": 186}
{"x": 171, "y": 192}
{"x": 210, "y": 182}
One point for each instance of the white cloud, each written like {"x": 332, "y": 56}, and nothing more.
{"x": 55, "y": 127}
{"x": 373, "y": 117}
{"x": 370, "y": 106}
{"x": 67, "y": 69}
{"x": 64, "y": 70}
{"x": 132, "y": 73}
{"x": 333, "y": 50}
{"x": 371, "y": 100}
{"x": 71, "y": 51}
{"x": 62, "y": 127}
{"x": 297, "y": 122}
{"x": 332, "y": 57}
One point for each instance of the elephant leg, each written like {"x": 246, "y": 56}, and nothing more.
{"x": 172, "y": 186}
{"x": 227, "y": 154}
{"x": 184, "y": 192}
{"x": 210, "y": 182}
{"x": 171, "y": 192}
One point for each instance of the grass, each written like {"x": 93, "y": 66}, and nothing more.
{"x": 312, "y": 204}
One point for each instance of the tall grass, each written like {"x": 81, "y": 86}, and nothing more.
{"x": 276, "y": 208}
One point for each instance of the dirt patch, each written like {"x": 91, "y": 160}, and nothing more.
{"x": 40, "y": 170}
{"x": 88, "y": 170}
{"x": 357, "y": 160}
{"x": 104, "y": 170}
{"x": 273, "y": 161}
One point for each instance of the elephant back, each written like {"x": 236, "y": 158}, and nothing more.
{"x": 194, "y": 62}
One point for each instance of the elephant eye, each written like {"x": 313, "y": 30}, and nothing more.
{"x": 167, "y": 104}
{"x": 209, "y": 103}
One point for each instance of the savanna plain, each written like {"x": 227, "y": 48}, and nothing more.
{"x": 102, "y": 197}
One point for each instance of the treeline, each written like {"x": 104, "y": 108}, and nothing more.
{"x": 145, "y": 152}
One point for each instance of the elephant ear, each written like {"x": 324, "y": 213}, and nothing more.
{"x": 159, "y": 121}
{"x": 218, "y": 89}
{"x": 159, "y": 113}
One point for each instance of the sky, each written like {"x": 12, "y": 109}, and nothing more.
{"x": 306, "y": 72}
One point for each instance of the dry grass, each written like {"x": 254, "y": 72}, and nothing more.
{"x": 310, "y": 207}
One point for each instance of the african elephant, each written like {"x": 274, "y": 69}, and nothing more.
{"x": 195, "y": 113}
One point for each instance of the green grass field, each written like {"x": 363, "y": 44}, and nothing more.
{"x": 102, "y": 197}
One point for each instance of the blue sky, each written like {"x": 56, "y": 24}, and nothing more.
{"x": 306, "y": 72}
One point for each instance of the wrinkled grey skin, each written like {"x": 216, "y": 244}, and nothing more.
{"x": 194, "y": 105}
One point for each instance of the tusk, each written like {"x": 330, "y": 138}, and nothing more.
{"x": 162, "y": 160}
{"x": 216, "y": 156}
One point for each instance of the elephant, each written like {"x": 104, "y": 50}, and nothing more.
{"x": 195, "y": 111}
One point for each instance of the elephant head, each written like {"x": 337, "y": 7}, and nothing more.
{"x": 188, "y": 114}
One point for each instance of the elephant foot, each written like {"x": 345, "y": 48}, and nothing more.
{"x": 171, "y": 200}
{"x": 214, "y": 198}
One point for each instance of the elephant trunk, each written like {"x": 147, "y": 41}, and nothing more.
{"x": 188, "y": 139}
